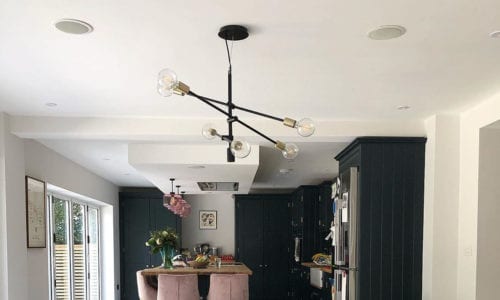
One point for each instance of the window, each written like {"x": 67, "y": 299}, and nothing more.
{"x": 75, "y": 267}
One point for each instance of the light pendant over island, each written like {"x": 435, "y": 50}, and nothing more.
{"x": 168, "y": 84}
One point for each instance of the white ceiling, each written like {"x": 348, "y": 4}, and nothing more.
{"x": 302, "y": 59}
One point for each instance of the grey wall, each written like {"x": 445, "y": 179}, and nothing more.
{"x": 223, "y": 236}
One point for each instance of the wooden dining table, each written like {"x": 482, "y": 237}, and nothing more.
{"x": 151, "y": 274}
{"x": 229, "y": 268}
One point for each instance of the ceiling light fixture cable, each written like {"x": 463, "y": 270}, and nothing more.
{"x": 168, "y": 84}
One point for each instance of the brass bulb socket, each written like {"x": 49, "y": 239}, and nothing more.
{"x": 181, "y": 89}
{"x": 289, "y": 122}
{"x": 280, "y": 145}
{"x": 212, "y": 132}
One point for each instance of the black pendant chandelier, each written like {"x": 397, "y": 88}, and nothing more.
{"x": 168, "y": 85}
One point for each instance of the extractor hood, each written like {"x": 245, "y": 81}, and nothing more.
{"x": 218, "y": 186}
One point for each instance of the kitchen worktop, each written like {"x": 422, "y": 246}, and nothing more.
{"x": 327, "y": 269}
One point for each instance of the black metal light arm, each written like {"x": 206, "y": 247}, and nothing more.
{"x": 234, "y": 119}
{"x": 255, "y": 130}
{"x": 258, "y": 113}
{"x": 234, "y": 106}
{"x": 208, "y": 102}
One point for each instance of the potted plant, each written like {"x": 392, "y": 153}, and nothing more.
{"x": 165, "y": 242}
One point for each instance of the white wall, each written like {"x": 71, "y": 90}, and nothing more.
{"x": 441, "y": 207}
{"x": 223, "y": 236}
{"x": 450, "y": 267}
{"x": 471, "y": 123}
{"x": 16, "y": 263}
{"x": 47, "y": 165}
{"x": 24, "y": 272}
{"x": 488, "y": 239}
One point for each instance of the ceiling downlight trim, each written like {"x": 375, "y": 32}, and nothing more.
{"x": 73, "y": 26}
{"x": 386, "y": 32}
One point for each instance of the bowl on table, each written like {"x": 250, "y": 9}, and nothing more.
{"x": 198, "y": 265}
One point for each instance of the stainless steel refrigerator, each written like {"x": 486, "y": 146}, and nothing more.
{"x": 344, "y": 263}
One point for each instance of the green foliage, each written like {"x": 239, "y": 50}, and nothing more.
{"x": 59, "y": 208}
{"x": 161, "y": 238}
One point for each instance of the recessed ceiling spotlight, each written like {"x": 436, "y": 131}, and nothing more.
{"x": 196, "y": 167}
{"x": 495, "y": 34}
{"x": 387, "y": 32}
{"x": 50, "y": 104}
{"x": 403, "y": 107}
{"x": 73, "y": 26}
{"x": 106, "y": 158}
{"x": 126, "y": 174}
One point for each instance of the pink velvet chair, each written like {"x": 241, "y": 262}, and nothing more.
{"x": 178, "y": 287}
{"x": 146, "y": 292}
{"x": 228, "y": 287}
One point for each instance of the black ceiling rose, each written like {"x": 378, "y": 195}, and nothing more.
{"x": 233, "y": 32}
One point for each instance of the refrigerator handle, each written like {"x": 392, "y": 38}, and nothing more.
{"x": 353, "y": 232}
{"x": 353, "y": 218}
{"x": 339, "y": 234}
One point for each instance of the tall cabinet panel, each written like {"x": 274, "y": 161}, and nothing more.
{"x": 305, "y": 238}
{"x": 262, "y": 234}
{"x": 305, "y": 221}
{"x": 141, "y": 211}
{"x": 325, "y": 216}
{"x": 390, "y": 215}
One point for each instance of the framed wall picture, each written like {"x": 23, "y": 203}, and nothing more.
{"x": 35, "y": 213}
{"x": 208, "y": 219}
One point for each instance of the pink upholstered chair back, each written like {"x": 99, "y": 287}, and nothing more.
{"x": 228, "y": 287}
{"x": 178, "y": 287}
{"x": 146, "y": 292}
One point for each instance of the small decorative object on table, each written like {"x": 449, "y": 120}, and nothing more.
{"x": 200, "y": 262}
{"x": 322, "y": 259}
{"x": 165, "y": 242}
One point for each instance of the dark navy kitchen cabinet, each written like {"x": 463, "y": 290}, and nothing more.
{"x": 390, "y": 205}
{"x": 305, "y": 227}
{"x": 141, "y": 211}
{"x": 325, "y": 216}
{"x": 262, "y": 235}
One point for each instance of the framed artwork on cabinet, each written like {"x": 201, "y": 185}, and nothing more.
{"x": 208, "y": 219}
{"x": 35, "y": 213}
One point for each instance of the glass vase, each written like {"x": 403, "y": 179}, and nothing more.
{"x": 167, "y": 253}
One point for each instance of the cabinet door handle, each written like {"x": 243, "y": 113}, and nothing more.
{"x": 266, "y": 266}
{"x": 260, "y": 266}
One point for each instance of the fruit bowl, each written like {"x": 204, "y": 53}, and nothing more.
{"x": 198, "y": 264}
